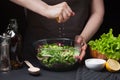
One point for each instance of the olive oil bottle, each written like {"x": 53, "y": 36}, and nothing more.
{"x": 16, "y": 57}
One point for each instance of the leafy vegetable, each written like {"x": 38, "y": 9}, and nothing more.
{"x": 107, "y": 44}
{"x": 58, "y": 54}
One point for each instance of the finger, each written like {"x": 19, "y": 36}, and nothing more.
{"x": 82, "y": 55}
{"x": 66, "y": 15}
{"x": 83, "y": 51}
{"x": 70, "y": 10}
{"x": 84, "y": 47}
{"x": 60, "y": 18}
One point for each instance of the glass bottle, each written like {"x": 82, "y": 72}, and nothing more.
{"x": 4, "y": 53}
{"x": 16, "y": 57}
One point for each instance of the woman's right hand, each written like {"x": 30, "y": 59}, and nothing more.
{"x": 61, "y": 12}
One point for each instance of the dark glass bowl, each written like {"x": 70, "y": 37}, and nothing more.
{"x": 56, "y": 66}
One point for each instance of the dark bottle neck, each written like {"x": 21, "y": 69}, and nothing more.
{"x": 13, "y": 25}
{"x": 12, "y": 28}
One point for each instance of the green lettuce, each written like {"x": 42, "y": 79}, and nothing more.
{"x": 107, "y": 44}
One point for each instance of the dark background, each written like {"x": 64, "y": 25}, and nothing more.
{"x": 112, "y": 17}
{"x": 10, "y": 10}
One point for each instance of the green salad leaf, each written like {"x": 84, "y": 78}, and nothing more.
{"x": 58, "y": 54}
{"x": 107, "y": 44}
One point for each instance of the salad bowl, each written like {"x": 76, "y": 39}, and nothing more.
{"x": 56, "y": 54}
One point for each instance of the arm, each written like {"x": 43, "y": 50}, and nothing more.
{"x": 61, "y": 10}
{"x": 37, "y": 6}
{"x": 93, "y": 24}
{"x": 95, "y": 20}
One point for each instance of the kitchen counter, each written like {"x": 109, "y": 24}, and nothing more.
{"x": 23, "y": 74}
{"x": 81, "y": 73}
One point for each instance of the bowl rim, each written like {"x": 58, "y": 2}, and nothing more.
{"x": 56, "y": 39}
{"x": 37, "y": 41}
{"x": 101, "y": 61}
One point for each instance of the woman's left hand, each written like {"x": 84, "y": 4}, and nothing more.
{"x": 83, "y": 46}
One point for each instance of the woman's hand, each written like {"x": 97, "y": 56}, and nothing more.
{"x": 83, "y": 46}
{"x": 61, "y": 12}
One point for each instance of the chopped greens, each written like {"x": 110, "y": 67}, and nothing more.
{"x": 107, "y": 44}
{"x": 57, "y": 54}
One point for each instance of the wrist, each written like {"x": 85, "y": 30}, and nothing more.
{"x": 46, "y": 10}
{"x": 49, "y": 12}
{"x": 43, "y": 9}
{"x": 83, "y": 37}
